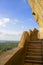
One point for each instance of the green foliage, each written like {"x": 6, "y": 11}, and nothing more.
{"x": 8, "y": 45}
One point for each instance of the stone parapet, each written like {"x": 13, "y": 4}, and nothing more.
{"x": 28, "y": 36}
{"x": 25, "y": 37}
{"x": 34, "y": 35}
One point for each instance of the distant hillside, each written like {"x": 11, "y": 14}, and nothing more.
{"x": 7, "y": 45}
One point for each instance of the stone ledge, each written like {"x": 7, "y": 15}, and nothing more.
{"x": 8, "y": 55}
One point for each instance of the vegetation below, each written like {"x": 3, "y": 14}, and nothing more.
{"x": 7, "y": 45}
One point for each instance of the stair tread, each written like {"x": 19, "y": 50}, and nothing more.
{"x": 33, "y": 50}
{"x": 33, "y": 61}
{"x": 35, "y": 56}
{"x": 32, "y": 64}
{"x": 33, "y": 53}
{"x": 34, "y": 41}
{"x": 33, "y": 47}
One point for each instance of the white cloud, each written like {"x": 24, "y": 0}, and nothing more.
{"x": 11, "y": 32}
{"x": 3, "y": 21}
{"x": 16, "y": 21}
{"x": 10, "y": 35}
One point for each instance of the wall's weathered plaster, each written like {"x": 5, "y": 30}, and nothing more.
{"x": 37, "y": 8}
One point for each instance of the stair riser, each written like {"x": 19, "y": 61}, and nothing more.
{"x": 33, "y": 47}
{"x": 33, "y": 54}
{"x": 34, "y": 62}
{"x": 33, "y": 50}
{"x": 31, "y": 64}
{"x": 33, "y": 59}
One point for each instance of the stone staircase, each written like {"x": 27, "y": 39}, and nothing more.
{"x": 28, "y": 52}
{"x": 33, "y": 53}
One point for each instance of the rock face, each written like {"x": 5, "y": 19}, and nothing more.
{"x": 34, "y": 35}
{"x": 25, "y": 38}
{"x": 37, "y": 11}
{"x": 28, "y": 36}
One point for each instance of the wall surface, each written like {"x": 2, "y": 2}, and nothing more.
{"x": 37, "y": 11}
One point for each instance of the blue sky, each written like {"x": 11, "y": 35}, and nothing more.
{"x": 15, "y": 17}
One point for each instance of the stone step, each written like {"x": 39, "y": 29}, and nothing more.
{"x": 34, "y": 43}
{"x": 34, "y": 51}
{"x": 33, "y": 54}
{"x": 33, "y": 58}
{"x": 31, "y": 64}
{"x": 33, "y": 61}
{"x": 31, "y": 47}
{"x": 34, "y": 46}
{"x": 27, "y": 63}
